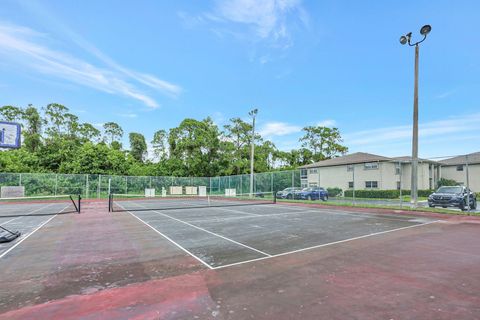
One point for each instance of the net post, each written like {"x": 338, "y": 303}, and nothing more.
{"x": 109, "y": 202}
{"x": 79, "y": 203}
{"x": 77, "y": 206}
{"x": 274, "y": 197}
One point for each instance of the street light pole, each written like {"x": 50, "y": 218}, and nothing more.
{"x": 425, "y": 30}
{"x": 414, "y": 188}
{"x": 253, "y": 114}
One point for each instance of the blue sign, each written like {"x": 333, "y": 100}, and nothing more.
{"x": 10, "y": 133}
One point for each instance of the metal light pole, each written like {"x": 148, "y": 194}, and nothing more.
{"x": 424, "y": 31}
{"x": 253, "y": 114}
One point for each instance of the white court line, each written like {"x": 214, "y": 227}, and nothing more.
{"x": 3, "y": 223}
{"x": 166, "y": 237}
{"x": 255, "y": 216}
{"x": 364, "y": 214}
{"x": 234, "y": 211}
{"x": 28, "y": 235}
{"x": 210, "y": 232}
{"x": 325, "y": 244}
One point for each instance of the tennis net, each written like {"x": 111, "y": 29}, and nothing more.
{"x": 136, "y": 202}
{"x": 39, "y": 206}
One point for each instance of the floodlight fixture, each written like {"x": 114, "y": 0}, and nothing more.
{"x": 425, "y": 30}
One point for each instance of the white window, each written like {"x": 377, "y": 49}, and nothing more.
{"x": 313, "y": 184}
{"x": 398, "y": 185}
{"x": 350, "y": 167}
{"x": 371, "y": 184}
{"x": 350, "y": 184}
{"x": 397, "y": 168}
{"x": 371, "y": 165}
{"x": 460, "y": 167}
{"x": 304, "y": 184}
{"x": 313, "y": 171}
{"x": 303, "y": 173}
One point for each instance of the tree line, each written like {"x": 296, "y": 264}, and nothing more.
{"x": 55, "y": 140}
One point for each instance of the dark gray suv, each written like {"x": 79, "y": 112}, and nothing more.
{"x": 454, "y": 196}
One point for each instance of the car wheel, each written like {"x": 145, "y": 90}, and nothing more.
{"x": 325, "y": 198}
{"x": 289, "y": 196}
{"x": 474, "y": 205}
{"x": 462, "y": 205}
{"x": 431, "y": 206}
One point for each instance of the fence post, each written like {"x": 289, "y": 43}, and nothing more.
{"x": 56, "y": 184}
{"x": 241, "y": 186}
{"x": 86, "y": 186}
{"x": 99, "y": 181}
{"x": 400, "y": 173}
{"x": 109, "y": 186}
{"x": 20, "y": 180}
{"x": 271, "y": 182}
{"x": 468, "y": 182}
{"x": 126, "y": 185}
{"x": 353, "y": 177}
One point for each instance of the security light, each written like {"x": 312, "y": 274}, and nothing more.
{"x": 403, "y": 40}
{"x": 425, "y": 30}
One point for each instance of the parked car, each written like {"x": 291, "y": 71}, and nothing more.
{"x": 454, "y": 196}
{"x": 312, "y": 193}
{"x": 287, "y": 193}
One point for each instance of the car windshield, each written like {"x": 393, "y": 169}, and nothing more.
{"x": 307, "y": 189}
{"x": 449, "y": 190}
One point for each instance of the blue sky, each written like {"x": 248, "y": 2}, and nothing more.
{"x": 149, "y": 64}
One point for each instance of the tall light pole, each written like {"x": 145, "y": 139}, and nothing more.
{"x": 424, "y": 31}
{"x": 252, "y": 114}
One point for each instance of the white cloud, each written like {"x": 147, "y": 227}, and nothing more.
{"x": 278, "y": 129}
{"x": 445, "y": 94}
{"x": 267, "y": 19}
{"x": 128, "y": 115}
{"x": 396, "y": 134}
{"x": 22, "y": 46}
{"x": 327, "y": 123}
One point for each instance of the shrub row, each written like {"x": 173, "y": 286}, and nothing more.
{"x": 334, "y": 192}
{"x": 384, "y": 194}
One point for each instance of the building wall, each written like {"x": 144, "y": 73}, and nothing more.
{"x": 450, "y": 172}
{"x": 386, "y": 176}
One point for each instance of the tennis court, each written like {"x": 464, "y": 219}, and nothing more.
{"x": 22, "y": 216}
{"x": 220, "y": 257}
{"x": 226, "y": 231}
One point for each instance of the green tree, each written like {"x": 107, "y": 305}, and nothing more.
{"x": 138, "y": 146}
{"x": 324, "y": 142}
{"x": 113, "y": 131}
{"x": 33, "y": 130}
{"x": 88, "y": 132}
{"x": 194, "y": 145}
{"x": 11, "y": 113}
{"x": 159, "y": 144}
{"x": 56, "y": 116}
{"x": 237, "y": 137}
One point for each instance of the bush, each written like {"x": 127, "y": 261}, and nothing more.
{"x": 334, "y": 192}
{"x": 446, "y": 182}
{"x": 384, "y": 194}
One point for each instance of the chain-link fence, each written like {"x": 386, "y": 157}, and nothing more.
{"x": 384, "y": 182}
{"x": 99, "y": 186}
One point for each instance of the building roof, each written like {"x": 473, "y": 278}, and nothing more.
{"x": 358, "y": 157}
{"x": 409, "y": 159}
{"x": 473, "y": 158}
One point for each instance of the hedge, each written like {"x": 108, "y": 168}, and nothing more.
{"x": 334, "y": 192}
{"x": 384, "y": 194}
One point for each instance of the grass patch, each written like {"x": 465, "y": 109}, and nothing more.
{"x": 377, "y": 206}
